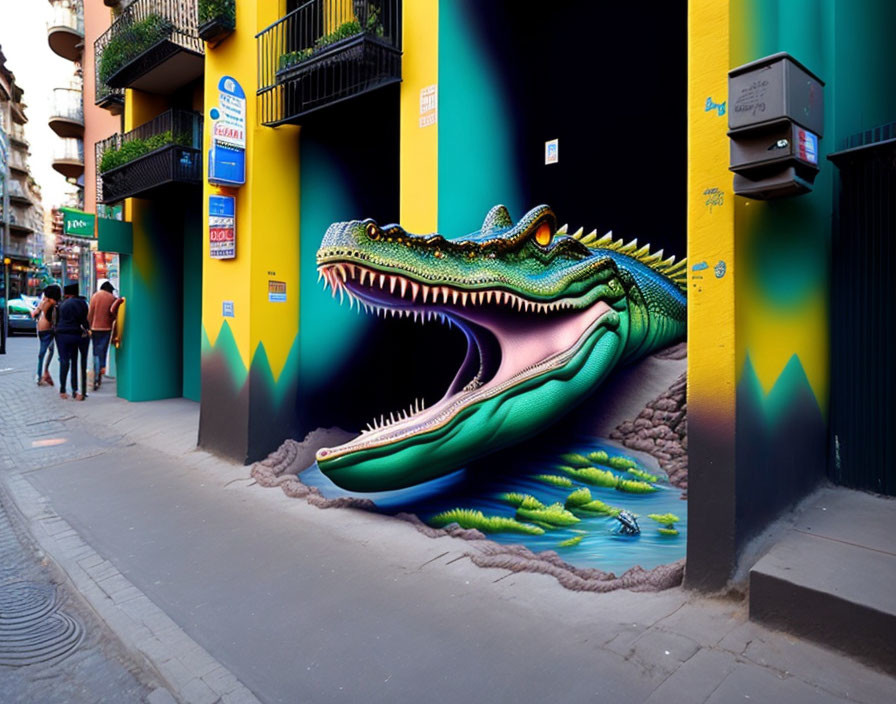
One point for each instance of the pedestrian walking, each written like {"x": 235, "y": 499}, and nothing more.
{"x": 46, "y": 313}
{"x": 72, "y": 339}
{"x": 100, "y": 318}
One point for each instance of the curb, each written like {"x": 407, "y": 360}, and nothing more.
{"x": 190, "y": 673}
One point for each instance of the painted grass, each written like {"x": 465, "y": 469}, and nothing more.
{"x": 554, "y": 515}
{"x": 635, "y": 486}
{"x": 605, "y": 478}
{"x": 578, "y": 498}
{"x": 667, "y": 519}
{"x": 581, "y": 500}
{"x": 576, "y": 460}
{"x": 571, "y": 542}
{"x": 521, "y": 500}
{"x": 641, "y": 474}
{"x": 668, "y": 531}
{"x": 592, "y": 475}
{"x": 598, "y": 457}
{"x": 554, "y": 480}
{"x": 621, "y": 463}
{"x": 598, "y": 506}
{"x": 468, "y": 518}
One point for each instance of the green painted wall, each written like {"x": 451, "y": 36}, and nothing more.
{"x": 149, "y": 360}
{"x": 159, "y": 357}
{"x": 476, "y": 152}
{"x": 192, "y": 302}
{"x": 783, "y": 255}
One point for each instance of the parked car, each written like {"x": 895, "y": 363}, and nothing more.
{"x": 18, "y": 311}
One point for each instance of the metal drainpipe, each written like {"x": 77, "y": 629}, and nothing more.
{"x": 4, "y": 244}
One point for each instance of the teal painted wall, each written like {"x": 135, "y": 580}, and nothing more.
{"x": 783, "y": 248}
{"x": 192, "y": 301}
{"x": 477, "y": 162}
{"x": 159, "y": 357}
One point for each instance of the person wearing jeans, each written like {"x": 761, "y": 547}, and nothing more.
{"x": 46, "y": 314}
{"x": 100, "y": 317}
{"x": 72, "y": 335}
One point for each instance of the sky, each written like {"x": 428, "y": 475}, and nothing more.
{"x": 23, "y": 38}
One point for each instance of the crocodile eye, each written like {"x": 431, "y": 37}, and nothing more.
{"x": 373, "y": 232}
{"x": 543, "y": 234}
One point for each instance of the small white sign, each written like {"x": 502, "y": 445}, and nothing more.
{"x": 429, "y": 106}
{"x": 552, "y": 151}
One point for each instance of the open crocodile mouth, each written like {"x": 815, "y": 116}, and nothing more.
{"x": 509, "y": 339}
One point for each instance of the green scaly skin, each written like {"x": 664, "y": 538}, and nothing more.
{"x": 547, "y": 317}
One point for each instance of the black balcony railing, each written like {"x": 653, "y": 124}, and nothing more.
{"x": 112, "y": 99}
{"x": 154, "y": 45}
{"x": 143, "y": 162}
{"x": 324, "y": 52}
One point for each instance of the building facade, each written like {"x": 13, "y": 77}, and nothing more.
{"x": 22, "y": 218}
{"x": 249, "y": 127}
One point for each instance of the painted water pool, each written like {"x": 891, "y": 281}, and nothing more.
{"x": 602, "y": 546}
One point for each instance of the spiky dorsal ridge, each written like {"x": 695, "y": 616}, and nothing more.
{"x": 675, "y": 271}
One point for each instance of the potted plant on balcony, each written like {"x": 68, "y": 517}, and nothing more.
{"x": 335, "y": 44}
{"x": 217, "y": 20}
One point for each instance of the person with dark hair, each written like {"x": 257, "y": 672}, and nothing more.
{"x": 100, "y": 318}
{"x": 72, "y": 337}
{"x": 46, "y": 314}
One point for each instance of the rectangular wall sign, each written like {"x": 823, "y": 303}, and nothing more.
{"x": 277, "y": 291}
{"x": 221, "y": 227}
{"x": 227, "y": 156}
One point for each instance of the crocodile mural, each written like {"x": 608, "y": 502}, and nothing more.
{"x": 547, "y": 315}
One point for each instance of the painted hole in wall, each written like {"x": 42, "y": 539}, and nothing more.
{"x": 535, "y": 442}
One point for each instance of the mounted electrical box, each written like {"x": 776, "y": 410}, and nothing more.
{"x": 775, "y": 119}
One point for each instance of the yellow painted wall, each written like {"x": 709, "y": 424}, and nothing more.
{"x": 267, "y": 214}
{"x": 711, "y": 322}
{"x": 419, "y": 159}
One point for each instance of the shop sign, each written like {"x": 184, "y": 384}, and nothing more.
{"x": 222, "y": 227}
{"x": 227, "y": 156}
{"x": 76, "y": 223}
{"x": 227, "y": 309}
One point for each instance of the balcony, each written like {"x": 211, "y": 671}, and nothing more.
{"x": 67, "y": 112}
{"x": 149, "y": 160}
{"x": 65, "y": 30}
{"x": 111, "y": 99}
{"x": 153, "y": 46}
{"x": 68, "y": 157}
{"x": 18, "y": 162}
{"x": 325, "y": 52}
{"x": 17, "y": 193}
{"x": 19, "y": 222}
{"x": 17, "y": 135}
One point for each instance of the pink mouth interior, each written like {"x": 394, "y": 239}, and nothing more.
{"x": 508, "y": 336}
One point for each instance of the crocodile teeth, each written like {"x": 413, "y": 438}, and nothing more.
{"x": 392, "y": 281}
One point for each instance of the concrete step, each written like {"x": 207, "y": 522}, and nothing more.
{"x": 832, "y": 576}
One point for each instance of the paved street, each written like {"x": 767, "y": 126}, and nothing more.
{"x": 236, "y": 593}
{"x": 53, "y": 648}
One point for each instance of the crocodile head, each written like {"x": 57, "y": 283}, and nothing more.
{"x": 545, "y": 316}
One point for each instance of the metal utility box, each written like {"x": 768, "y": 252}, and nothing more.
{"x": 775, "y": 119}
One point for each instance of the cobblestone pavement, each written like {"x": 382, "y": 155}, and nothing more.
{"x": 53, "y": 648}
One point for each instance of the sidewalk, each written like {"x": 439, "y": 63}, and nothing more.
{"x": 238, "y": 593}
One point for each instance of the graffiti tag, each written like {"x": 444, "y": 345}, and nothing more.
{"x": 752, "y": 98}
{"x": 718, "y": 107}
{"x": 714, "y": 197}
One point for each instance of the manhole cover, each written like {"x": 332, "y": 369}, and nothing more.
{"x": 31, "y": 630}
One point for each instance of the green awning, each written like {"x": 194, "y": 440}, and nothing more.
{"x": 76, "y": 223}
